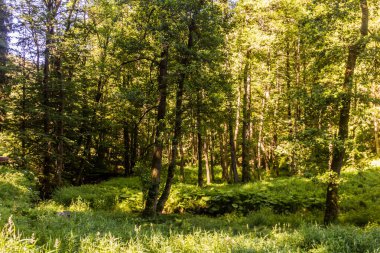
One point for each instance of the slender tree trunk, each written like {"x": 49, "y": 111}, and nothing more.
{"x": 260, "y": 137}
{"x": 60, "y": 127}
{"x": 178, "y": 119}
{"x": 234, "y": 173}
{"x": 223, "y": 158}
{"x": 134, "y": 146}
{"x": 47, "y": 171}
{"x": 208, "y": 170}
{"x": 23, "y": 113}
{"x": 199, "y": 139}
{"x": 182, "y": 163}
{"x": 127, "y": 150}
{"x": 3, "y": 56}
{"x": 151, "y": 200}
{"x": 246, "y": 121}
{"x": 376, "y": 129}
{"x": 375, "y": 116}
{"x": 237, "y": 123}
{"x": 212, "y": 160}
{"x": 194, "y": 144}
{"x": 332, "y": 208}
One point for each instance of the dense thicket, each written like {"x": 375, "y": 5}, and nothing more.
{"x": 260, "y": 88}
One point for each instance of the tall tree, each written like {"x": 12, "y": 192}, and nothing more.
{"x": 153, "y": 192}
{"x": 185, "y": 62}
{"x": 51, "y": 176}
{"x": 246, "y": 118}
{"x": 339, "y": 150}
{"x": 4, "y": 14}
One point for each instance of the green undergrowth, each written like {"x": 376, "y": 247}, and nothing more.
{"x": 124, "y": 193}
{"x": 275, "y": 215}
{"x": 17, "y": 193}
{"x": 113, "y": 231}
{"x": 359, "y": 191}
{"x": 281, "y": 195}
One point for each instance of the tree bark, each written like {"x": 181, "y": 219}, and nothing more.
{"x": 234, "y": 172}
{"x": 199, "y": 139}
{"x": 153, "y": 191}
{"x": 332, "y": 208}
{"x": 178, "y": 118}
{"x": 3, "y": 56}
{"x": 208, "y": 170}
{"x": 60, "y": 128}
{"x": 127, "y": 150}
{"x": 212, "y": 159}
{"x": 47, "y": 170}
{"x": 182, "y": 163}
{"x": 246, "y": 120}
{"x": 223, "y": 158}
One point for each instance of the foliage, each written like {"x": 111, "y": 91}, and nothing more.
{"x": 18, "y": 192}
{"x": 302, "y": 196}
{"x": 116, "y": 193}
{"x": 90, "y": 227}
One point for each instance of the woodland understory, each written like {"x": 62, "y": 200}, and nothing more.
{"x": 168, "y": 110}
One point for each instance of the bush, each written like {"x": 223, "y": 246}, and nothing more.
{"x": 17, "y": 192}
{"x": 281, "y": 195}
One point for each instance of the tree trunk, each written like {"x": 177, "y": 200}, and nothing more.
{"x": 153, "y": 191}
{"x": 208, "y": 170}
{"x": 237, "y": 123}
{"x": 127, "y": 150}
{"x": 223, "y": 158}
{"x": 60, "y": 128}
{"x": 134, "y": 146}
{"x": 199, "y": 139}
{"x": 212, "y": 160}
{"x": 375, "y": 119}
{"x": 260, "y": 143}
{"x": 47, "y": 171}
{"x": 182, "y": 163}
{"x": 178, "y": 119}
{"x": 376, "y": 129}
{"x": 234, "y": 173}
{"x": 3, "y": 56}
{"x": 246, "y": 120}
{"x": 332, "y": 208}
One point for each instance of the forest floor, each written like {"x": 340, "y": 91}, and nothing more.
{"x": 274, "y": 215}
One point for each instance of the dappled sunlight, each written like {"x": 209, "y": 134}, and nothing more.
{"x": 375, "y": 163}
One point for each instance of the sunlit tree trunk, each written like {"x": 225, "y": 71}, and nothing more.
{"x": 207, "y": 163}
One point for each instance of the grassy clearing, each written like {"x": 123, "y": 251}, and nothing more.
{"x": 105, "y": 218}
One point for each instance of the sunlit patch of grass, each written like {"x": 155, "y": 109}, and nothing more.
{"x": 141, "y": 236}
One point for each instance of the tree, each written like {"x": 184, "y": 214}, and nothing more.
{"x": 4, "y": 14}
{"x": 339, "y": 150}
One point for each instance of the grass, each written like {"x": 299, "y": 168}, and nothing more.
{"x": 105, "y": 217}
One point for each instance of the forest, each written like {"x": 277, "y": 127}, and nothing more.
{"x": 189, "y": 126}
